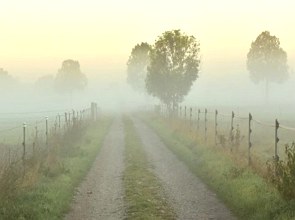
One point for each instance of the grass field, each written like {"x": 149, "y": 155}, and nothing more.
{"x": 247, "y": 193}
{"x": 47, "y": 189}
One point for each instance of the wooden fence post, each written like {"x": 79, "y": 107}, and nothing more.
{"x": 69, "y": 121}
{"x": 277, "y": 125}
{"x": 24, "y": 144}
{"x": 66, "y": 119}
{"x": 249, "y": 140}
{"x": 74, "y": 118}
{"x": 94, "y": 111}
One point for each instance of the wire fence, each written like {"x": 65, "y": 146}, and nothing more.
{"x": 246, "y": 134}
{"x": 31, "y": 132}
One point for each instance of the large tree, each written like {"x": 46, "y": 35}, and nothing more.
{"x": 174, "y": 66}
{"x": 137, "y": 66}
{"x": 70, "y": 78}
{"x": 267, "y": 61}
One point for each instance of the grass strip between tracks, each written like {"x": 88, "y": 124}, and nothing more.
{"x": 143, "y": 194}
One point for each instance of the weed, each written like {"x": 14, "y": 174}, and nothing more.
{"x": 282, "y": 172}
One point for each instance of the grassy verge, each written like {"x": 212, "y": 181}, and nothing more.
{"x": 246, "y": 193}
{"x": 143, "y": 194}
{"x": 52, "y": 194}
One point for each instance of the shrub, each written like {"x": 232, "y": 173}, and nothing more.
{"x": 282, "y": 172}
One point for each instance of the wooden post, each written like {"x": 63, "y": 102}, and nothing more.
{"x": 74, "y": 118}
{"x": 206, "y": 124}
{"x": 69, "y": 121}
{"x": 216, "y": 124}
{"x": 66, "y": 119}
{"x": 249, "y": 140}
{"x": 24, "y": 144}
{"x": 277, "y": 125}
{"x": 185, "y": 113}
{"x": 93, "y": 111}
{"x": 55, "y": 124}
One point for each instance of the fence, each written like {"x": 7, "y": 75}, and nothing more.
{"x": 19, "y": 143}
{"x": 246, "y": 134}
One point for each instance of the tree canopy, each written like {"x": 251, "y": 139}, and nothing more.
{"x": 266, "y": 60}
{"x": 137, "y": 66}
{"x": 69, "y": 77}
{"x": 174, "y": 66}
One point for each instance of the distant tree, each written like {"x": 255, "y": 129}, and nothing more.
{"x": 137, "y": 66}
{"x": 267, "y": 61}
{"x": 174, "y": 66}
{"x": 70, "y": 78}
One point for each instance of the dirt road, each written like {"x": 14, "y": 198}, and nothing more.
{"x": 100, "y": 195}
{"x": 189, "y": 197}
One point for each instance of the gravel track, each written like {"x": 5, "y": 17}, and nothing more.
{"x": 189, "y": 197}
{"x": 101, "y": 195}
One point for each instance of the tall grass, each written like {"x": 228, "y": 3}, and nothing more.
{"x": 41, "y": 186}
{"x": 245, "y": 191}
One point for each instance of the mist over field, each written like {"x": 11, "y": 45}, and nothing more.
{"x": 147, "y": 109}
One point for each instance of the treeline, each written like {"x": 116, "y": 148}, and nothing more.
{"x": 69, "y": 78}
{"x": 168, "y": 68}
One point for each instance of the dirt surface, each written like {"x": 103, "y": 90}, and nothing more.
{"x": 101, "y": 195}
{"x": 189, "y": 197}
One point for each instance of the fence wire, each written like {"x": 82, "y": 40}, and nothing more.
{"x": 239, "y": 132}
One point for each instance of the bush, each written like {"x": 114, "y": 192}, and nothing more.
{"x": 282, "y": 173}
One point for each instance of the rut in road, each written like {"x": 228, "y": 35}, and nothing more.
{"x": 101, "y": 194}
{"x": 189, "y": 197}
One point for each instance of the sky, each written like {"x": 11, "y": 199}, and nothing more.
{"x": 37, "y": 35}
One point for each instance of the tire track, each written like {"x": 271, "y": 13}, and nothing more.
{"x": 190, "y": 198}
{"x": 101, "y": 194}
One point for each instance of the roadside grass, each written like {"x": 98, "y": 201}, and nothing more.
{"x": 245, "y": 192}
{"x": 50, "y": 195}
{"x": 143, "y": 194}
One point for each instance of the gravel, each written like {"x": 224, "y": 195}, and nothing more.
{"x": 190, "y": 198}
{"x": 101, "y": 195}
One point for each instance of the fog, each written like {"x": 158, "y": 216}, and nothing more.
{"x": 46, "y": 34}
